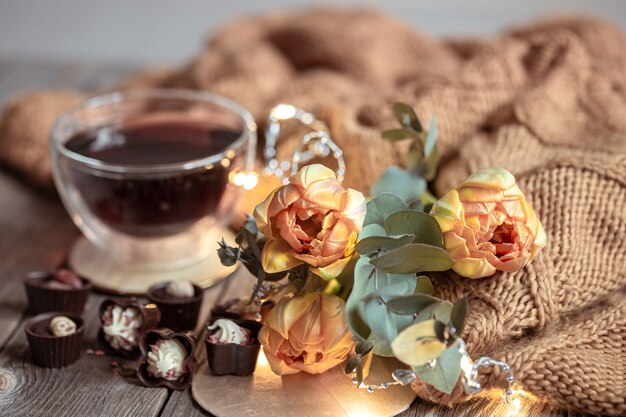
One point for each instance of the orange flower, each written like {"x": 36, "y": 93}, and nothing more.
{"x": 307, "y": 332}
{"x": 312, "y": 220}
{"x": 488, "y": 225}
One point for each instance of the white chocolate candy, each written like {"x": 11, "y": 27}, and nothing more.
{"x": 167, "y": 360}
{"x": 227, "y": 331}
{"x": 62, "y": 326}
{"x": 180, "y": 289}
{"x": 121, "y": 327}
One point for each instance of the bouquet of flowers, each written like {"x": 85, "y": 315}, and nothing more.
{"x": 348, "y": 275}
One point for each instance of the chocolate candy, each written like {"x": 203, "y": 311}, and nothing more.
{"x": 62, "y": 326}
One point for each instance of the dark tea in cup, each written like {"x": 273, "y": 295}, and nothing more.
{"x": 135, "y": 205}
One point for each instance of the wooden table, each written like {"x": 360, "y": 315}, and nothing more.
{"x": 35, "y": 232}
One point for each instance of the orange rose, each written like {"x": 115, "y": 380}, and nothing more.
{"x": 488, "y": 225}
{"x": 307, "y": 332}
{"x": 312, "y": 220}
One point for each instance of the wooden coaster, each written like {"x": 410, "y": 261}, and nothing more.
{"x": 89, "y": 261}
{"x": 301, "y": 395}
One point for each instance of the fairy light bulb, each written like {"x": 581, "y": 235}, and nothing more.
{"x": 283, "y": 112}
{"x": 247, "y": 180}
{"x": 514, "y": 407}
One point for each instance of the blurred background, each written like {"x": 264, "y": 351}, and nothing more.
{"x": 139, "y": 32}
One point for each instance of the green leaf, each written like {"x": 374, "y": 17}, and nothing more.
{"x": 380, "y": 207}
{"x": 372, "y": 230}
{"x": 410, "y": 304}
{"x": 431, "y": 138}
{"x": 399, "y": 134}
{"x": 424, "y": 286}
{"x": 415, "y": 157}
{"x": 359, "y": 374}
{"x": 457, "y": 317}
{"x": 381, "y": 243}
{"x": 400, "y": 182}
{"x": 431, "y": 164}
{"x": 417, "y": 204}
{"x": 413, "y": 258}
{"x": 417, "y": 344}
{"x": 421, "y": 225}
{"x": 441, "y": 331}
{"x": 251, "y": 225}
{"x": 406, "y": 116}
{"x": 227, "y": 254}
{"x": 445, "y": 374}
{"x": 364, "y": 348}
{"x": 440, "y": 311}
{"x": 354, "y": 306}
{"x": 431, "y": 151}
{"x": 381, "y": 346}
{"x": 351, "y": 364}
{"x": 382, "y": 321}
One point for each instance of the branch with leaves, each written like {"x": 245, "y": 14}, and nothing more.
{"x": 410, "y": 184}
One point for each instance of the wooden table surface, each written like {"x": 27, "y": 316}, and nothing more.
{"x": 35, "y": 232}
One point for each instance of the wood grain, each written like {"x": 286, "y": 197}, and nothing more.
{"x": 35, "y": 232}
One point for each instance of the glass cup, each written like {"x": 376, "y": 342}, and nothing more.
{"x": 162, "y": 211}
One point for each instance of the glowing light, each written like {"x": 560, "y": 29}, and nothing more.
{"x": 514, "y": 407}
{"x": 262, "y": 360}
{"x": 247, "y": 180}
{"x": 283, "y": 112}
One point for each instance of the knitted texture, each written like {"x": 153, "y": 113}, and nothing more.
{"x": 547, "y": 102}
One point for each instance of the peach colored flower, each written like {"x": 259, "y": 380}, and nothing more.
{"x": 488, "y": 225}
{"x": 307, "y": 332}
{"x": 312, "y": 220}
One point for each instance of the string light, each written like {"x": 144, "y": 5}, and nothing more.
{"x": 247, "y": 180}
{"x": 469, "y": 375}
{"x": 315, "y": 144}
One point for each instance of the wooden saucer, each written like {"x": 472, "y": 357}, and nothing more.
{"x": 301, "y": 395}
{"x": 89, "y": 261}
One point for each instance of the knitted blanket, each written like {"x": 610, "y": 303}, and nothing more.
{"x": 547, "y": 102}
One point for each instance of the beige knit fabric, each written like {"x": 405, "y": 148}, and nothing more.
{"x": 547, "y": 102}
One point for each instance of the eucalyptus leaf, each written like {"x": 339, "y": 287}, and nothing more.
{"x": 410, "y": 304}
{"x": 406, "y": 116}
{"x": 413, "y": 258}
{"x": 381, "y": 347}
{"x": 417, "y": 204}
{"x": 417, "y": 344}
{"x": 400, "y": 182}
{"x": 228, "y": 255}
{"x": 431, "y": 138}
{"x": 431, "y": 151}
{"x": 364, "y": 348}
{"x": 351, "y": 364}
{"x": 415, "y": 157}
{"x": 382, "y": 321}
{"x": 399, "y": 134}
{"x": 359, "y": 374}
{"x": 445, "y": 374}
{"x": 381, "y": 243}
{"x": 371, "y": 230}
{"x": 354, "y": 306}
{"x": 440, "y": 311}
{"x": 251, "y": 225}
{"x": 440, "y": 331}
{"x": 424, "y": 286}
{"x": 457, "y": 317}
{"x": 421, "y": 225}
{"x": 380, "y": 207}
{"x": 368, "y": 316}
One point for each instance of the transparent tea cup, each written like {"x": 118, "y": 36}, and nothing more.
{"x": 153, "y": 214}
